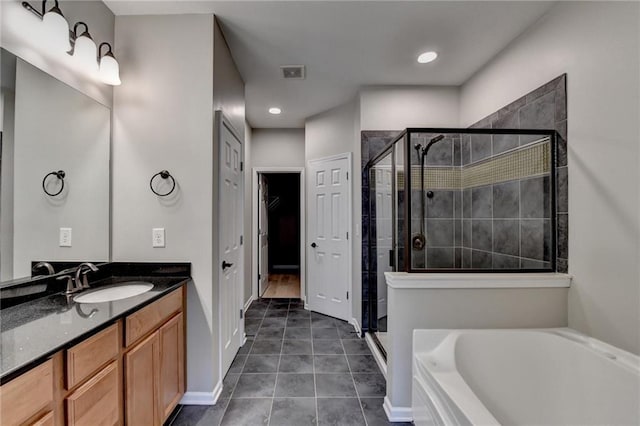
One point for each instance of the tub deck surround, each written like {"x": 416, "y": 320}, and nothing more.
{"x": 40, "y": 327}
{"x": 462, "y": 301}
{"x": 406, "y": 280}
{"x": 501, "y": 377}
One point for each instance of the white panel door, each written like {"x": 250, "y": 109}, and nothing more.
{"x": 230, "y": 231}
{"x": 263, "y": 235}
{"x": 384, "y": 232}
{"x": 328, "y": 253}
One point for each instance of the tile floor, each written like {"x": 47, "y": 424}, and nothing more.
{"x": 297, "y": 368}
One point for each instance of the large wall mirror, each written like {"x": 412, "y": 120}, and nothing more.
{"x": 47, "y": 126}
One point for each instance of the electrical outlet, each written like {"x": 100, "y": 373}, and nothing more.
{"x": 65, "y": 237}
{"x": 157, "y": 237}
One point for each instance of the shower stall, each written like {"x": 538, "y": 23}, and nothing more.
{"x": 457, "y": 200}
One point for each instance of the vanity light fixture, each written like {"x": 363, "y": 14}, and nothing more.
{"x": 427, "y": 57}
{"x": 274, "y": 110}
{"x": 55, "y": 28}
{"x": 54, "y": 35}
{"x": 84, "y": 49}
{"x": 109, "y": 68}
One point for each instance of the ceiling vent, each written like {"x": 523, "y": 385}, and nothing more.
{"x": 295, "y": 72}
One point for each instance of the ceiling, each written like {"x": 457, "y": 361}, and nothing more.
{"x": 347, "y": 45}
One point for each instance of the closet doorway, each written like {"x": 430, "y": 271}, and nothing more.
{"x": 278, "y": 237}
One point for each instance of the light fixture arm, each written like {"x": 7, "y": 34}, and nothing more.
{"x": 85, "y": 33}
{"x": 55, "y": 8}
{"x": 109, "y": 52}
{"x": 33, "y": 9}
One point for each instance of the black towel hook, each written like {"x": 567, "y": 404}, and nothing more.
{"x": 60, "y": 174}
{"x": 164, "y": 174}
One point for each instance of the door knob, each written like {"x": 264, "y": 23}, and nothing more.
{"x": 226, "y": 265}
{"x": 314, "y": 245}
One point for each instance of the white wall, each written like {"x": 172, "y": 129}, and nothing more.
{"x": 597, "y": 45}
{"x": 335, "y": 132}
{"x": 228, "y": 87}
{"x": 278, "y": 148}
{"x": 163, "y": 119}
{"x": 399, "y": 107}
{"x": 19, "y": 36}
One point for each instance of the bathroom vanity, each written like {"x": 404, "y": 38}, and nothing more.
{"x": 114, "y": 362}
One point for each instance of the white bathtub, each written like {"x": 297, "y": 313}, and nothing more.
{"x": 522, "y": 377}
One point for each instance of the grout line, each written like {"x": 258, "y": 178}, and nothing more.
{"x": 275, "y": 383}
{"x": 313, "y": 368}
{"x": 354, "y": 384}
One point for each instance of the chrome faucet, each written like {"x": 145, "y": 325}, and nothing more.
{"x": 45, "y": 265}
{"x": 84, "y": 269}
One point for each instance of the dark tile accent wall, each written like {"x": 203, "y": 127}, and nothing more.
{"x": 543, "y": 108}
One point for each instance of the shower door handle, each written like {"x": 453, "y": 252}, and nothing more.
{"x": 314, "y": 245}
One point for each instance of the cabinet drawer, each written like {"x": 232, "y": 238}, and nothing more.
{"x": 97, "y": 402}
{"x": 152, "y": 316}
{"x": 24, "y": 396}
{"x": 46, "y": 420}
{"x": 88, "y": 357}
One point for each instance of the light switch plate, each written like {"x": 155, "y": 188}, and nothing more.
{"x": 157, "y": 236}
{"x": 65, "y": 237}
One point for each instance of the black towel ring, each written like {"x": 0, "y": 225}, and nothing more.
{"x": 60, "y": 174}
{"x": 164, "y": 175}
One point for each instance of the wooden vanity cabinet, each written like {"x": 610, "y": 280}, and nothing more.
{"x": 154, "y": 367}
{"x": 131, "y": 372}
{"x": 29, "y": 398}
{"x": 171, "y": 379}
{"x": 142, "y": 369}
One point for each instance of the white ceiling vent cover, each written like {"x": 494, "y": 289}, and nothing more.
{"x": 294, "y": 72}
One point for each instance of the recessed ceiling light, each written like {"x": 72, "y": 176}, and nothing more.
{"x": 274, "y": 110}
{"x": 427, "y": 57}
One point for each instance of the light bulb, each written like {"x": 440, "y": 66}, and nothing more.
{"x": 85, "y": 53}
{"x": 109, "y": 70}
{"x": 55, "y": 30}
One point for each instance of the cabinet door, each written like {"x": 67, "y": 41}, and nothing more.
{"x": 142, "y": 366}
{"x": 97, "y": 402}
{"x": 26, "y": 395}
{"x": 171, "y": 365}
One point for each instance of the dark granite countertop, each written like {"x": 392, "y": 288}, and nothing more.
{"x": 38, "y": 328}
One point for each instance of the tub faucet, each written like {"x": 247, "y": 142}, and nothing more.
{"x": 45, "y": 265}
{"x": 84, "y": 269}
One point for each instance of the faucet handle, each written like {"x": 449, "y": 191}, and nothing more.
{"x": 70, "y": 285}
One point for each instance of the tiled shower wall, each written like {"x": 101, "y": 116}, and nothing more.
{"x": 543, "y": 108}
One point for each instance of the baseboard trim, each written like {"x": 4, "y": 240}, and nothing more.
{"x": 356, "y": 325}
{"x": 202, "y": 398}
{"x": 397, "y": 414}
{"x": 377, "y": 355}
{"x": 247, "y": 305}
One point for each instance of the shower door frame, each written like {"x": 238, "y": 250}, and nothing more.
{"x": 552, "y": 134}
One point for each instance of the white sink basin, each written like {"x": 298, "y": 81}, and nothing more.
{"x": 114, "y": 292}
